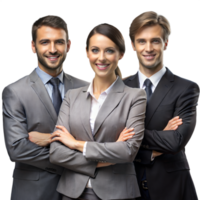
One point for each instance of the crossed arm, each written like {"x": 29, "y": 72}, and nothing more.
{"x": 173, "y": 124}
{"x": 62, "y": 135}
{"x": 174, "y": 139}
{"x": 19, "y": 147}
{"x": 43, "y": 139}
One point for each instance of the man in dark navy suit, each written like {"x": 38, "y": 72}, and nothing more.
{"x": 161, "y": 164}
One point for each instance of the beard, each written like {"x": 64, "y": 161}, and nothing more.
{"x": 54, "y": 67}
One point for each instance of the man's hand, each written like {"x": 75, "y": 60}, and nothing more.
{"x": 41, "y": 139}
{"x": 126, "y": 134}
{"x": 173, "y": 124}
{"x": 155, "y": 154}
{"x": 104, "y": 164}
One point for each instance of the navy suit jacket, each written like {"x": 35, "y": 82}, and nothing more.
{"x": 168, "y": 175}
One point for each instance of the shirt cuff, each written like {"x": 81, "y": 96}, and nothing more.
{"x": 152, "y": 158}
{"x": 84, "y": 149}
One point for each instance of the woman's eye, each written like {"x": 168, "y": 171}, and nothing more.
{"x": 94, "y": 50}
{"x": 110, "y": 51}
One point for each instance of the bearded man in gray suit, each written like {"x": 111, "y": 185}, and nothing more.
{"x": 30, "y": 109}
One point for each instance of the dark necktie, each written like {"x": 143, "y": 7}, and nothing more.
{"x": 148, "y": 90}
{"x": 56, "y": 96}
{"x": 145, "y": 192}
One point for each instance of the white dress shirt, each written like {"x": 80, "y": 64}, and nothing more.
{"x": 155, "y": 79}
{"x": 95, "y": 107}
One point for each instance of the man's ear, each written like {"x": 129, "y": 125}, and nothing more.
{"x": 132, "y": 47}
{"x": 167, "y": 45}
{"x": 68, "y": 45}
{"x": 33, "y": 47}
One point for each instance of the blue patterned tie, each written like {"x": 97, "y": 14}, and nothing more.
{"x": 56, "y": 96}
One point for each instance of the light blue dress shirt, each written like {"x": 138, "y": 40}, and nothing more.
{"x": 45, "y": 79}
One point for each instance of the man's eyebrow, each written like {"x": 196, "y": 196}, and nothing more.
{"x": 156, "y": 38}
{"x": 61, "y": 40}
{"x": 43, "y": 40}
{"x": 46, "y": 40}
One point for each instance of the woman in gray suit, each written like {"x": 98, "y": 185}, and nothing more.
{"x": 97, "y": 164}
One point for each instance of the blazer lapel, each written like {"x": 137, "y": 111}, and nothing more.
{"x": 160, "y": 92}
{"x": 43, "y": 95}
{"x": 85, "y": 111}
{"x": 67, "y": 82}
{"x": 111, "y": 102}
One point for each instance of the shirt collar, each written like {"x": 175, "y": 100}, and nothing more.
{"x": 46, "y": 77}
{"x": 107, "y": 91}
{"x": 154, "y": 78}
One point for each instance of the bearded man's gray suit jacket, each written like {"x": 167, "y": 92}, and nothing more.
{"x": 27, "y": 107}
{"x": 123, "y": 107}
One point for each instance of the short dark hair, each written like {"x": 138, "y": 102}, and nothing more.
{"x": 50, "y": 20}
{"x": 113, "y": 34}
{"x": 148, "y": 19}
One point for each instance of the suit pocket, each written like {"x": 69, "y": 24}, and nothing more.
{"x": 124, "y": 168}
{"x": 176, "y": 165}
{"x": 26, "y": 175}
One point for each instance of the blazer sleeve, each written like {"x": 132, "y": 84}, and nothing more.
{"x": 174, "y": 141}
{"x": 144, "y": 157}
{"x": 64, "y": 156}
{"x": 19, "y": 148}
{"x": 123, "y": 152}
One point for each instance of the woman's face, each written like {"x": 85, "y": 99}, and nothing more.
{"x": 103, "y": 55}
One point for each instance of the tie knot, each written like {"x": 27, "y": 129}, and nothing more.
{"x": 54, "y": 82}
{"x": 147, "y": 82}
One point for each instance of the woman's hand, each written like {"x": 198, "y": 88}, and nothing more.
{"x": 173, "y": 124}
{"x": 62, "y": 135}
{"x": 126, "y": 134}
